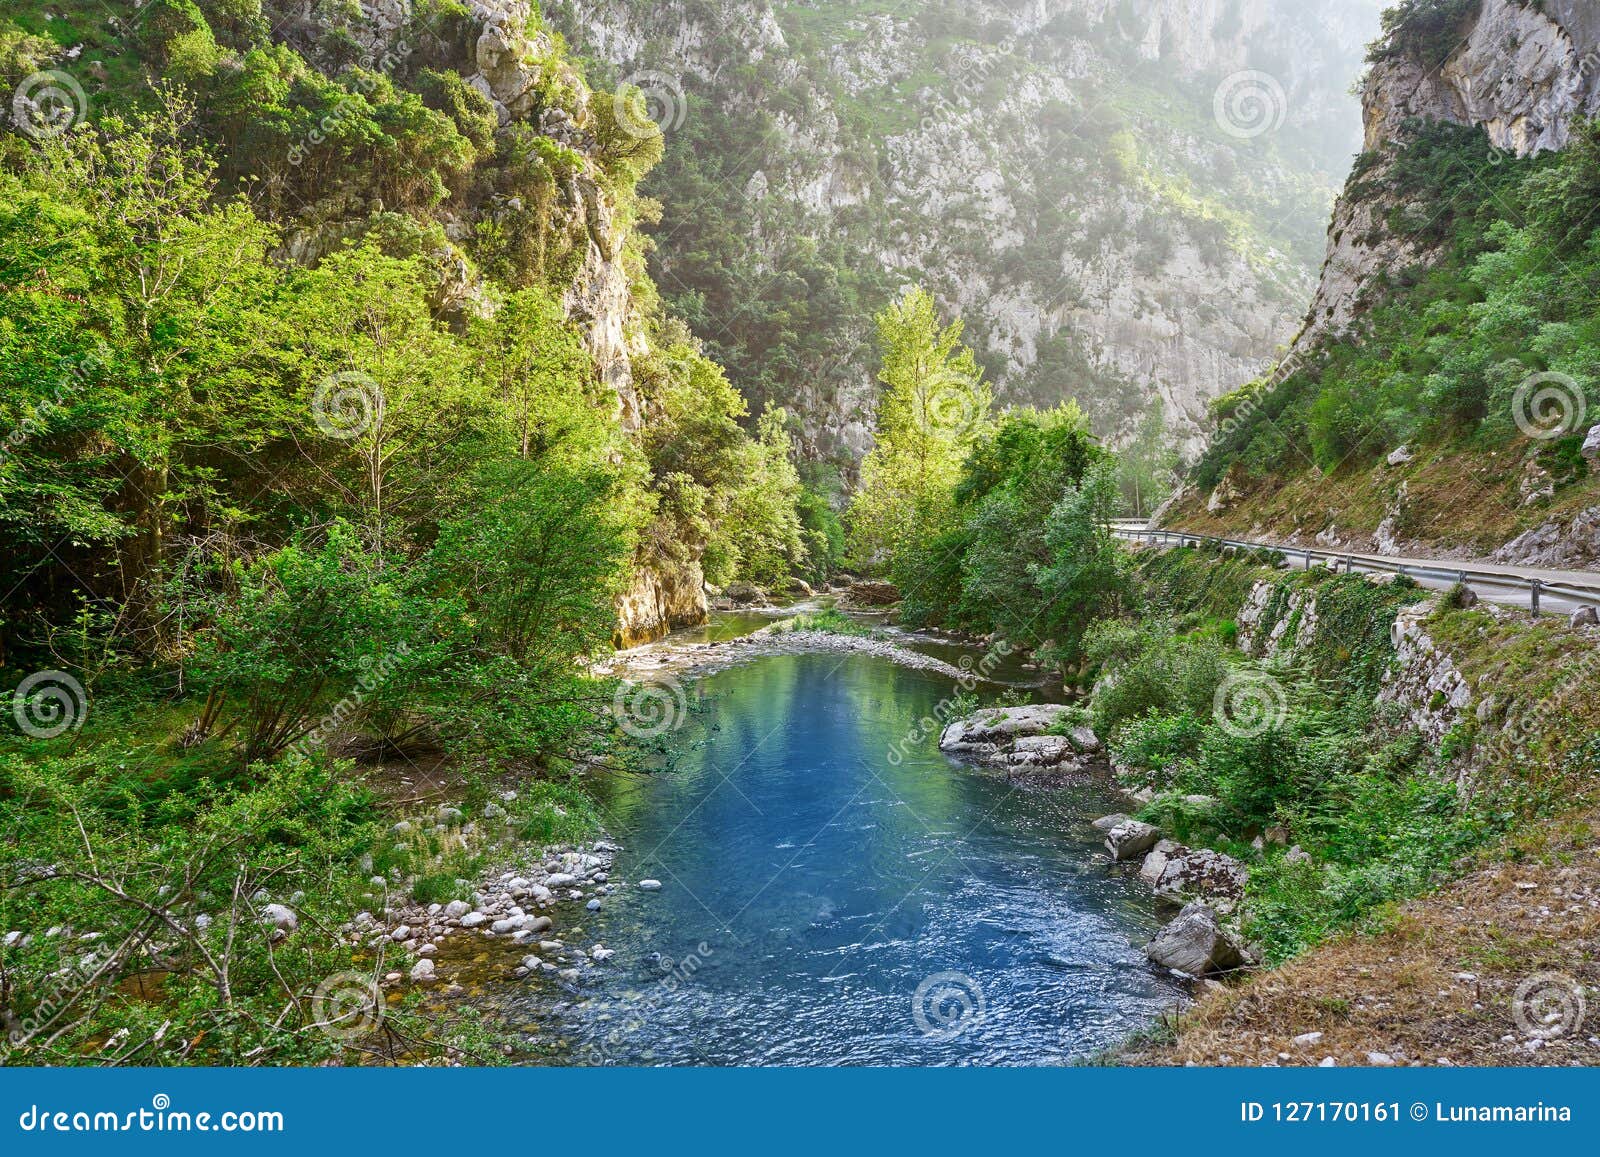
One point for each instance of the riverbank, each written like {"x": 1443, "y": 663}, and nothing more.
{"x": 1499, "y": 967}
{"x": 678, "y": 660}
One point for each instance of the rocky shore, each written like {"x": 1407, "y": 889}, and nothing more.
{"x": 1208, "y": 885}
{"x": 519, "y": 906}
{"x": 658, "y": 661}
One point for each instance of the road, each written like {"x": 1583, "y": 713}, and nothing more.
{"x": 1554, "y": 591}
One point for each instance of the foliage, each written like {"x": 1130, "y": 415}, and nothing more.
{"x": 933, "y": 409}
{"x": 1444, "y": 348}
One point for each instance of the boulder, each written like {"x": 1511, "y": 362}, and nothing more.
{"x": 1591, "y": 446}
{"x": 1189, "y": 872}
{"x": 283, "y": 920}
{"x": 1156, "y": 860}
{"x": 1195, "y": 943}
{"x": 1040, "y": 750}
{"x": 1085, "y": 740}
{"x": 1106, "y": 823}
{"x": 745, "y": 594}
{"x": 456, "y": 909}
{"x": 1585, "y": 617}
{"x": 423, "y": 971}
{"x": 536, "y": 924}
{"x": 1399, "y": 456}
{"x": 474, "y": 920}
{"x": 1131, "y": 838}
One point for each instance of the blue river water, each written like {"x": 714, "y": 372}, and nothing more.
{"x": 836, "y": 891}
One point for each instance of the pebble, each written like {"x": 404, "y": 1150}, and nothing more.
{"x": 474, "y": 920}
{"x": 1327, "y": 1063}
{"x": 593, "y": 905}
{"x": 400, "y": 933}
{"x": 422, "y": 971}
{"x": 1308, "y": 1040}
{"x": 650, "y": 885}
{"x": 1381, "y": 1059}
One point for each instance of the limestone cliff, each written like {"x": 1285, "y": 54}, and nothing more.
{"x": 1525, "y": 72}
{"x": 502, "y": 49}
{"x": 1121, "y": 198}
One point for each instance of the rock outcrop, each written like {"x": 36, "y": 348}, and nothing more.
{"x": 1021, "y": 738}
{"x": 1525, "y": 72}
{"x": 1422, "y": 679}
{"x": 1063, "y": 235}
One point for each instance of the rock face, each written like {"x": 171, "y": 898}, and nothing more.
{"x": 504, "y": 51}
{"x": 1195, "y": 943}
{"x": 1422, "y": 678}
{"x": 1067, "y": 238}
{"x": 1525, "y": 72}
{"x": 1558, "y": 545}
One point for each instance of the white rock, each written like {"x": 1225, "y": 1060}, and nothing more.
{"x": 1308, "y": 1040}
{"x": 474, "y": 920}
{"x": 650, "y": 885}
{"x": 456, "y": 909}
{"x": 1195, "y": 944}
{"x": 400, "y": 933}
{"x": 1131, "y": 838}
{"x": 422, "y": 971}
{"x": 281, "y": 918}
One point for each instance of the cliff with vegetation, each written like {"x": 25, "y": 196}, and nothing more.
{"x": 1123, "y": 200}
{"x": 1442, "y": 398}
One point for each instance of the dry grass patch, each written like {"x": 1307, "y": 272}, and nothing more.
{"x": 1435, "y": 984}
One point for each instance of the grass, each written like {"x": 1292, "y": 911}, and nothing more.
{"x": 1434, "y": 982}
{"x": 830, "y": 621}
{"x": 1457, "y": 499}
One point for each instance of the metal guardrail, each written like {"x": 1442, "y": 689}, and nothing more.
{"x": 1536, "y": 588}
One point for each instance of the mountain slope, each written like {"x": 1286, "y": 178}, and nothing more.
{"x": 1443, "y": 396}
{"x": 1123, "y": 200}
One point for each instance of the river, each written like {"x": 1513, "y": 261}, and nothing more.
{"x": 836, "y": 891}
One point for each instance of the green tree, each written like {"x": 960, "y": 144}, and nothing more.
{"x": 933, "y": 408}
